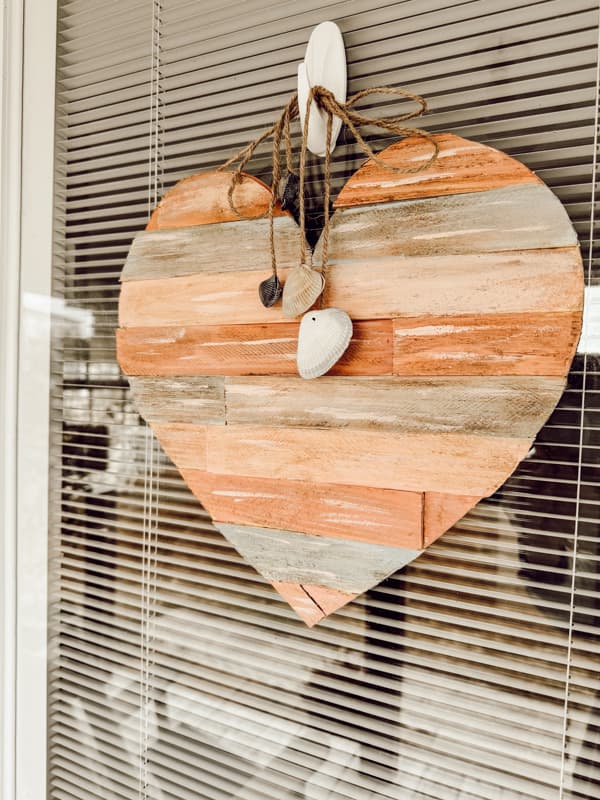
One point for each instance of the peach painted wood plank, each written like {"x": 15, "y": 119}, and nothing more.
{"x": 521, "y": 217}
{"x": 290, "y": 557}
{"x": 202, "y": 199}
{"x": 486, "y": 344}
{"x": 442, "y": 462}
{"x": 461, "y": 166}
{"x": 329, "y": 600}
{"x": 511, "y": 282}
{"x": 219, "y": 247}
{"x": 359, "y": 513}
{"x": 442, "y": 511}
{"x": 197, "y": 399}
{"x": 301, "y": 601}
{"x": 488, "y": 406}
{"x": 244, "y": 350}
{"x": 311, "y": 602}
{"x": 514, "y": 281}
{"x": 185, "y": 444}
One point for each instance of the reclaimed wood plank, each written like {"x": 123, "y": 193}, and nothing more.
{"x": 312, "y": 603}
{"x": 417, "y": 462}
{"x": 184, "y": 443}
{"x": 486, "y": 344}
{"x": 442, "y": 511}
{"x": 203, "y": 199}
{"x": 244, "y": 350}
{"x": 509, "y": 282}
{"x": 218, "y": 247}
{"x": 328, "y": 599}
{"x": 357, "y": 513}
{"x": 487, "y": 406}
{"x": 197, "y": 399}
{"x": 520, "y": 217}
{"x": 290, "y": 557}
{"x": 461, "y": 166}
{"x": 301, "y": 601}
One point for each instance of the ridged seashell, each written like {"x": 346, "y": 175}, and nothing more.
{"x": 302, "y": 287}
{"x": 269, "y": 291}
{"x": 322, "y": 340}
{"x": 289, "y": 192}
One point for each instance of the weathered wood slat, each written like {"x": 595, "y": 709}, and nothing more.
{"x": 310, "y": 602}
{"x": 487, "y": 344}
{"x": 220, "y": 247}
{"x": 359, "y": 513}
{"x": 185, "y": 444}
{"x": 196, "y": 399}
{"x": 245, "y": 350}
{"x": 442, "y": 511}
{"x": 301, "y": 601}
{"x": 442, "y": 462}
{"x": 489, "y": 406}
{"x": 461, "y": 166}
{"x": 509, "y": 282}
{"x": 203, "y": 199}
{"x": 290, "y": 557}
{"x": 521, "y": 217}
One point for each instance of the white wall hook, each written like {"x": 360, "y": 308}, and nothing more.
{"x": 324, "y": 65}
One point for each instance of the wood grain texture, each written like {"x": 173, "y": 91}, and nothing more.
{"x": 185, "y": 444}
{"x": 538, "y": 281}
{"x": 203, "y": 199}
{"x": 244, "y": 350}
{"x": 312, "y": 603}
{"x": 461, "y": 166}
{"x": 488, "y": 406}
{"x": 442, "y": 511}
{"x": 301, "y": 601}
{"x": 511, "y": 282}
{"x": 357, "y": 513}
{"x": 289, "y": 557}
{"x": 219, "y": 247}
{"x": 520, "y": 217}
{"x": 196, "y": 399}
{"x": 487, "y": 344}
{"x": 329, "y": 600}
{"x": 442, "y": 462}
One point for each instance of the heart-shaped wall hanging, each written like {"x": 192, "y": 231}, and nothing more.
{"x": 464, "y": 284}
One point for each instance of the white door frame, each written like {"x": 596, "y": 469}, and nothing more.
{"x": 27, "y": 90}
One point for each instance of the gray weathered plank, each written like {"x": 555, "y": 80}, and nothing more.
{"x": 319, "y": 560}
{"x": 526, "y": 216}
{"x": 199, "y": 399}
{"x": 490, "y": 406}
{"x": 219, "y": 247}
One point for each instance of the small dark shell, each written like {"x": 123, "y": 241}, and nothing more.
{"x": 269, "y": 291}
{"x": 289, "y": 193}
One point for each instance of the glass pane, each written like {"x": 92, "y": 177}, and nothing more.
{"x": 176, "y": 671}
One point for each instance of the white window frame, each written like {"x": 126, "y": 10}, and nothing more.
{"x": 27, "y": 92}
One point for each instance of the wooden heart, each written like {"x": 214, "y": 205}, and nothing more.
{"x": 465, "y": 286}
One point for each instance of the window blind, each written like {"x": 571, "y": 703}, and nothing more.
{"x": 176, "y": 672}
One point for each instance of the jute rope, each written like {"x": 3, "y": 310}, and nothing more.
{"x": 353, "y": 120}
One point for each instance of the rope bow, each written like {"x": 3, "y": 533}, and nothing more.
{"x": 353, "y": 120}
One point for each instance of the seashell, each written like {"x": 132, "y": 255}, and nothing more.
{"x": 323, "y": 338}
{"x": 302, "y": 287}
{"x": 269, "y": 291}
{"x": 289, "y": 192}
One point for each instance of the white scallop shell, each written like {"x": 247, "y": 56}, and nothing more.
{"x": 322, "y": 340}
{"x": 302, "y": 287}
